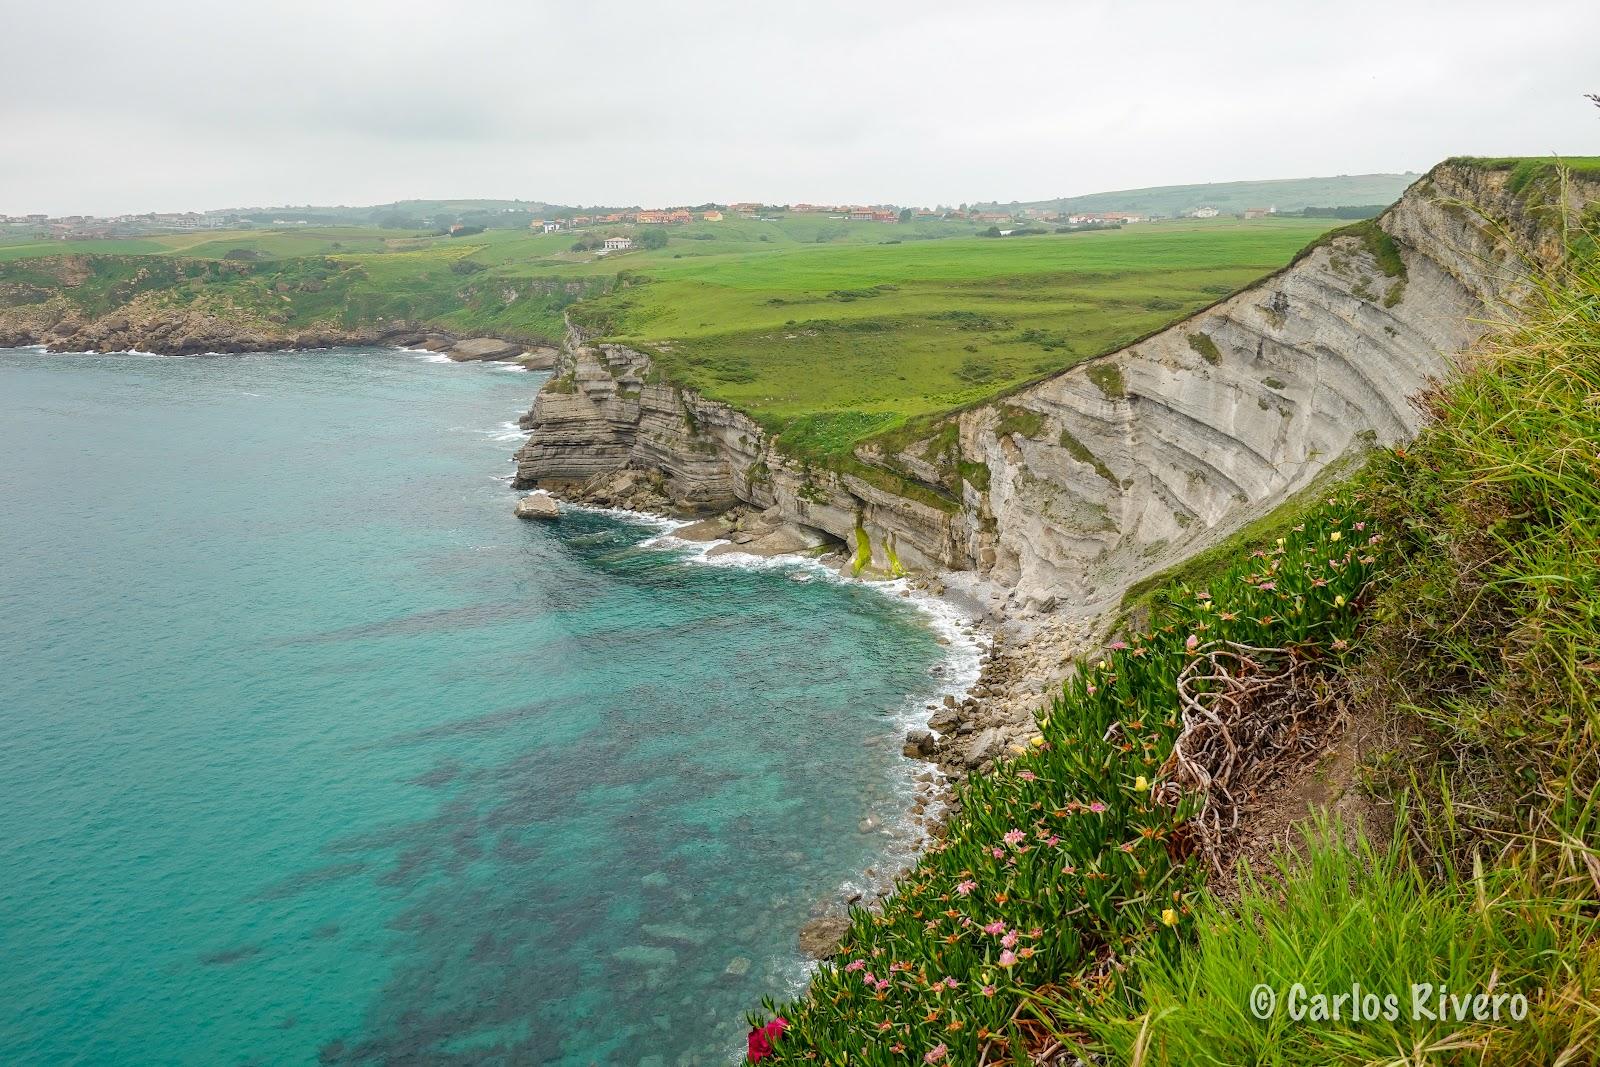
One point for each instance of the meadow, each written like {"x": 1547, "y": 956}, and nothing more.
{"x": 824, "y": 345}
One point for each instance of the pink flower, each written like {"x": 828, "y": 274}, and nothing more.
{"x": 1117, "y": 646}
{"x": 761, "y": 1040}
{"x": 1036, "y": 932}
{"x": 936, "y": 1053}
{"x": 1052, "y": 840}
{"x": 997, "y": 852}
{"x": 1026, "y": 776}
{"x": 988, "y": 990}
{"x": 950, "y": 982}
{"x": 1192, "y": 643}
{"x": 1010, "y": 940}
{"x": 1015, "y": 837}
{"x": 966, "y": 887}
{"x": 996, "y": 928}
{"x": 1097, "y": 807}
{"x": 1008, "y": 958}
{"x": 883, "y": 983}
{"x": 854, "y": 965}
{"x": 1267, "y": 587}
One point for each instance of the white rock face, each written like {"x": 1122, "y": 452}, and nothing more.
{"x": 1075, "y": 488}
{"x": 538, "y": 506}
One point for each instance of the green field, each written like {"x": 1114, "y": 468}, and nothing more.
{"x": 824, "y": 330}
{"x": 824, "y": 345}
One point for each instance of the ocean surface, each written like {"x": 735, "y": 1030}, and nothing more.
{"x": 311, "y": 752}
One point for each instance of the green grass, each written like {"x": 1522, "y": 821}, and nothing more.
{"x": 1341, "y": 919}
{"x": 870, "y": 338}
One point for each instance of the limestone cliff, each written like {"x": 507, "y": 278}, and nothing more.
{"x": 1069, "y": 490}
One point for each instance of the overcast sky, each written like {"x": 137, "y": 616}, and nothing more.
{"x": 132, "y": 105}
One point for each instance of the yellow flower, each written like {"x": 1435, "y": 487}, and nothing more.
{"x": 1101, "y": 664}
{"x": 1038, "y": 742}
{"x": 1141, "y": 783}
{"x": 1280, "y": 542}
{"x": 1335, "y": 535}
{"x": 1169, "y": 917}
{"x": 1338, "y": 601}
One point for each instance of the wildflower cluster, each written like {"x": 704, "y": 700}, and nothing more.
{"x": 1062, "y": 858}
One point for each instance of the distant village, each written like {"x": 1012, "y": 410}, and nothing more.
{"x": 90, "y": 227}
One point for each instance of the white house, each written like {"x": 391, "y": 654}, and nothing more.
{"x": 618, "y": 244}
{"x": 551, "y": 227}
{"x": 1206, "y": 213}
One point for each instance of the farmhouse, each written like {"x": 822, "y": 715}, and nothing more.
{"x": 712, "y": 216}
{"x": 1206, "y": 213}
{"x": 618, "y": 244}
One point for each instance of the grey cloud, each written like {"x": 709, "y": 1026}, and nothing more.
{"x": 112, "y": 106}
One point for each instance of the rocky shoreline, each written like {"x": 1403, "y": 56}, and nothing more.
{"x": 199, "y": 332}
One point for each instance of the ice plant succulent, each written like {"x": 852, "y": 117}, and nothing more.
{"x": 1048, "y": 866}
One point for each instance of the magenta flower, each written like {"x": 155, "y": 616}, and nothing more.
{"x": 988, "y": 990}
{"x": 854, "y": 965}
{"x": 997, "y": 852}
{"x": 1097, "y": 807}
{"x": 995, "y": 928}
{"x": 950, "y": 982}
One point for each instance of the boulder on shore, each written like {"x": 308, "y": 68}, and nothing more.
{"x": 819, "y": 938}
{"x": 538, "y": 506}
{"x": 482, "y": 348}
{"x": 920, "y": 744}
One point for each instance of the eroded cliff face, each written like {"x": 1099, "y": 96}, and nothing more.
{"x": 1070, "y": 490}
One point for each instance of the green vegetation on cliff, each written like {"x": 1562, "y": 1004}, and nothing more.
{"x": 1447, "y": 598}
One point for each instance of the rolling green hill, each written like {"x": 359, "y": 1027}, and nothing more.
{"x": 1286, "y": 194}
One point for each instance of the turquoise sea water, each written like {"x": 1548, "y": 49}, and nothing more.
{"x": 309, "y": 750}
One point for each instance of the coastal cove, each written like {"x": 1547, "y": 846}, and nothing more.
{"x": 311, "y": 751}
